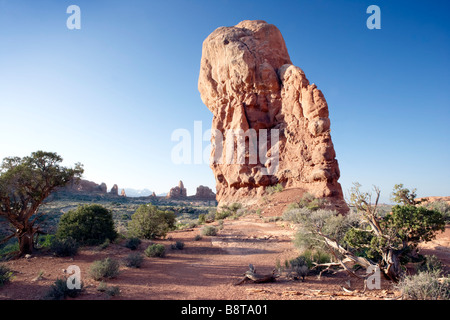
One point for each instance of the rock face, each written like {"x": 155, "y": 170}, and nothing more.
{"x": 122, "y": 193}
{"x": 85, "y": 187}
{"x": 114, "y": 190}
{"x": 204, "y": 193}
{"x": 249, "y": 83}
{"x": 177, "y": 192}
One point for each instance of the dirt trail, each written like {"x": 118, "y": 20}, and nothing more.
{"x": 206, "y": 269}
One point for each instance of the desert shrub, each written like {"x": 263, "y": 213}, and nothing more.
{"x": 149, "y": 222}
{"x": 179, "y": 245}
{"x": 155, "y": 250}
{"x": 104, "y": 269}
{"x": 442, "y": 207}
{"x": 297, "y": 268}
{"x": 60, "y": 291}
{"x": 134, "y": 260}
{"x": 5, "y": 275}
{"x": 430, "y": 263}
{"x": 313, "y": 257}
{"x": 198, "y": 238}
{"x": 45, "y": 241}
{"x": 274, "y": 189}
{"x": 425, "y": 286}
{"x": 112, "y": 291}
{"x": 309, "y": 202}
{"x": 133, "y": 243}
{"x": 64, "y": 247}
{"x": 109, "y": 291}
{"x": 202, "y": 218}
{"x": 9, "y": 250}
{"x": 105, "y": 244}
{"x": 209, "y": 231}
{"x": 88, "y": 225}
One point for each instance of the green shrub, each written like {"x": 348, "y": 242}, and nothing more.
{"x": 202, "y": 218}
{"x": 155, "y": 250}
{"x": 5, "y": 274}
{"x": 179, "y": 245}
{"x": 64, "y": 247}
{"x": 133, "y": 243}
{"x": 425, "y": 286}
{"x": 105, "y": 244}
{"x": 59, "y": 291}
{"x": 441, "y": 206}
{"x": 104, "y": 269}
{"x": 134, "y": 260}
{"x": 430, "y": 264}
{"x": 309, "y": 202}
{"x": 88, "y": 225}
{"x": 274, "y": 189}
{"x": 148, "y": 222}
{"x": 110, "y": 291}
{"x": 198, "y": 238}
{"x": 209, "y": 231}
{"x": 298, "y": 268}
{"x": 45, "y": 241}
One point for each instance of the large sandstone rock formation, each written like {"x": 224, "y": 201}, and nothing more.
{"x": 248, "y": 82}
{"x": 204, "y": 193}
{"x": 177, "y": 192}
{"x": 114, "y": 190}
{"x": 84, "y": 187}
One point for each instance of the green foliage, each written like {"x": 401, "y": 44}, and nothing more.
{"x": 155, "y": 250}
{"x": 178, "y": 245}
{"x": 202, "y": 218}
{"x": 274, "y": 189}
{"x": 414, "y": 224}
{"x": 209, "y": 231}
{"x": 104, "y": 269}
{"x": 441, "y": 206}
{"x": 88, "y": 225}
{"x": 430, "y": 264}
{"x": 64, "y": 247}
{"x": 134, "y": 260}
{"x": 5, "y": 274}
{"x": 60, "y": 291}
{"x": 45, "y": 241}
{"x": 227, "y": 211}
{"x": 109, "y": 291}
{"x": 297, "y": 268}
{"x": 149, "y": 222}
{"x": 402, "y": 195}
{"x": 133, "y": 243}
{"x": 24, "y": 185}
{"x": 309, "y": 202}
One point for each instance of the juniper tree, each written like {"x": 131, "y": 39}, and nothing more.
{"x": 24, "y": 185}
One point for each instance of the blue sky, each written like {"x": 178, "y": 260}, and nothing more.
{"x": 111, "y": 94}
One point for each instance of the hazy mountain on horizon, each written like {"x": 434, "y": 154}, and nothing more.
{"x": 130, "y": 192}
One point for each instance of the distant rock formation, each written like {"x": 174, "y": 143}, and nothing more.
{"x": 84, "y": 187}
{"x": 249, "y": 83}
{"x": 204, "y": 193}
{"x": 177, "y": 192}
{"x": 153, "y": 194}
{"x": 122, "y": 193}
{"x": 114, "y": 190}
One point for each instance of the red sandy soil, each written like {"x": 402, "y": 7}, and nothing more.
{"x": 206, "y": 269}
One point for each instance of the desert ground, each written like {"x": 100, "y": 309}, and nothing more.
{"x": 206, "y": 269}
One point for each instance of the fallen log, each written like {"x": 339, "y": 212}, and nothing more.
{"x": 251, "y": 276}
